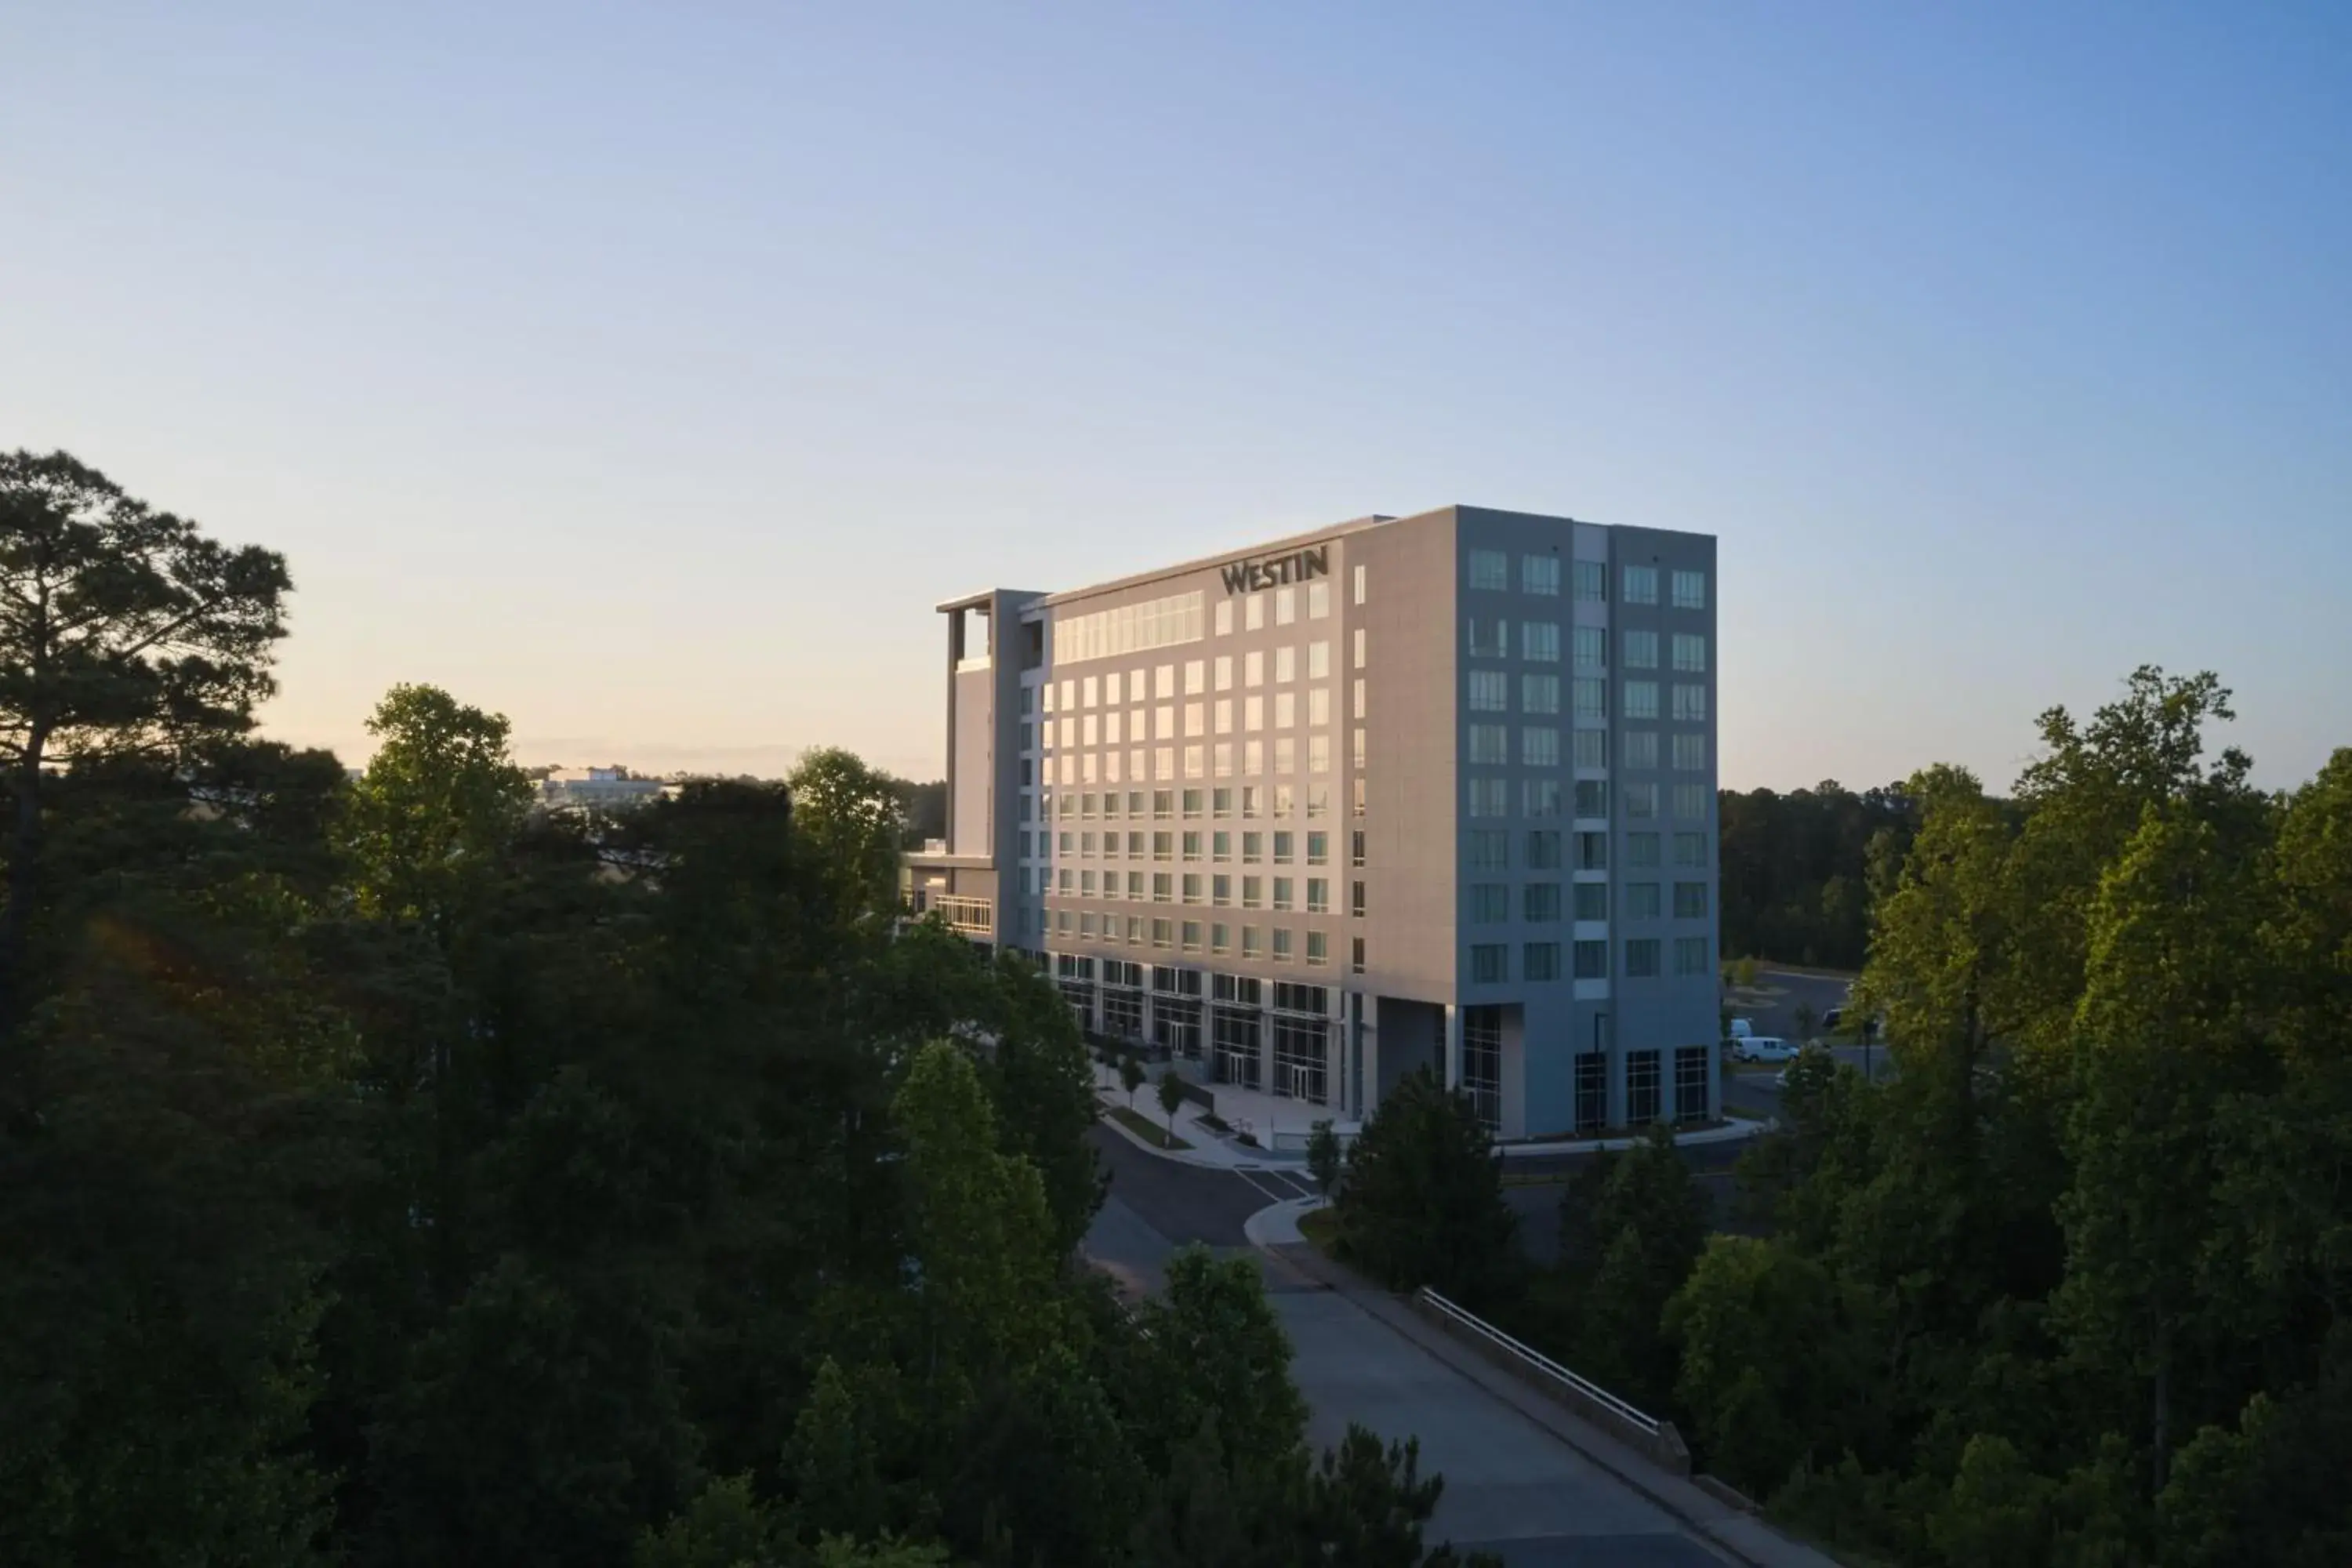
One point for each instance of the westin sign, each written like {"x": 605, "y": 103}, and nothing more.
{"x": 1248, "y": 576}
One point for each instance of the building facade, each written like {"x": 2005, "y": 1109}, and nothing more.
{"x": 1425, "y": 791}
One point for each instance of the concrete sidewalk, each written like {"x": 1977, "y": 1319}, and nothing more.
{"x": 1730, "y": 1529}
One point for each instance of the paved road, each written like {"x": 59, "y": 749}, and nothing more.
{"x": 1511, "y": 1488}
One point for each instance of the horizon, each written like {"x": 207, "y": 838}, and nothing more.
{"x": 648, "y": 378}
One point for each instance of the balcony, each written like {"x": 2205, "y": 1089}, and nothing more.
{"x": 973, "y": 917}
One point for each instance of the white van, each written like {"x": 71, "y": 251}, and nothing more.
{"x": 1763, "y": 1048}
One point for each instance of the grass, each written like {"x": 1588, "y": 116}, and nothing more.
{"x": 1320, "y": 1226}
{"x": 1741, "y": 1113}
{"x": 1152, "y": 1132}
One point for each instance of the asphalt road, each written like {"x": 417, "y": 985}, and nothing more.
{"x": 1511, "y": 1488}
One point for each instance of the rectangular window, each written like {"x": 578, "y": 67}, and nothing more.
{"x": 1319, "y": 896}
{"x": 1690, "y": 753}
{"x": 1253, "y": 667}
{"x": 1490, "y": 962}
{"x": 1592, "y": 960}
{"x": 1254, "y": 848}
{"x": 1641, "y": 799}
{"x": 1539, "y": 574}
{"x": 1490, "y": 744}
{"x": 1224, "y": 617}
{"x": 1641, "y": 901}
{"x": 1690, "y": 850}
{"x": 1490, "y": 637}
{"x": 1690, "y": 590}
{"x": 1539, "y": 746}
{"x": 1591, "y": 648}
{"x": 1286, "y": 663}
{"x": 1539, "y": 693}
{"x": 1591, "y": 901}
{"x": 1490, "y": 903}
{"x": 1251, "y": 946}
{"x": 1355, "y": 745}
{"x": 1162, "y": 932}
{"x": 1191, "y": 931}
{"x": 1189, "y": 844}
{"x": 1543, "y": 850}
{"x": 1221, "y": 846}
{"x": 1490, "y": 692}
{"x": 1591, "y": 579}
{"x": 1641, "y": 585}
{"x": 1541, "y": 797}
{"x": 1318, "y": 660}
{"x": 1317, "y": 949}
{"x": 1356, "y": 946}
{"x": 1282, "y": 950}
{"x": 1690, "y": 653}
{"x": 1642, "y": 958}
{"x": 1690, "y": 803}
{"x": 1318, "y": 753}
{"x": 1360, "y": 648}
{"x": 1540, "y": 961}
{"x": 1690, "y": 1083}
{"x": 1640, "y": 750}
{"x": 1490, "y": 797}
{"x": 1690, "y": 955}
{"x": 1640, "y": 650}
{"x": 1282, "y": 887}
{"x": 1252, "y": 892}
{"x": 1253, "y": 758}
{"x": 1219, "y": 937}
{"x": 1285, "y": 845}
{"x": 1540, "y": 902}
{"x": 1225, "y": 669}
{"x": 1487, "y": 849}
{"x": 1540, "y": 641}
{"x": 1641, "y": 699}
{"x": 1318, "y": 601}
{"x": 1286, "y": 606}
{"x": 1593, "y": 748}
{"x": 1319, "y": 848}
{"x": 1690, "y": 703}
{"x": 1592, "y": 699}
{"x": 1357, "y": 710}
{"x": 1355, "y": 900}
{"x": 1640, "y": 1088}
{"x": 1191, "y": 888}
{"x": 1592, "y": 851}
{"x": 1690, "y": 901}
{"x": 1360, "y": 581}
{"x": 1221, "y": 891}
{"x": 1490, "y": 570}
{"x": 1592, "y": 797}
{"x": 1285, "y": 754}
{"x": 1356, "y": 847}
{"x": 1318, "y": 706}
{"x": 1642, "y": 849}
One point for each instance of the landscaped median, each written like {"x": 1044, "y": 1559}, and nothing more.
{"x": 1152, "y": 1132}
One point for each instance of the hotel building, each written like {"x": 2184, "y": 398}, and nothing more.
{"x": 1423, "y": 791}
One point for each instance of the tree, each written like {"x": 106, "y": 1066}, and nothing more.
{"x": 1423, "y": 1204}
{"x": 432, "y": 817}
{"x": 124, "y": 631}
{"x": 1130, "y": 1077}
{"x": 1172, "y": 1097}
{"x": 1640, "y": 1237}
{"x": 1762, "y": 1373}
{"x": 850, "y": 816}
{"x": 1805, "y": 1020}
{"x": 1323, "y": 1155}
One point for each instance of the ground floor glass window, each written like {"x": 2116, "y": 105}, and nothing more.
{"x": 1690, "y": 1083}
{"x": 1640, "y": 1088}
{"x": 1482, "y": 1063}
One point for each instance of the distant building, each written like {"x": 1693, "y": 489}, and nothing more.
{"x": 603, "y": 789}
{"x": 1432, "y": 790}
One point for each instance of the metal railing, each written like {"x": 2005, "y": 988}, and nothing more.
{"x": 1647, "y": 1424}
{"x": 964, "y": 913}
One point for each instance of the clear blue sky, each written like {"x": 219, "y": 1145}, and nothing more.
{"x": 647, "y": 372}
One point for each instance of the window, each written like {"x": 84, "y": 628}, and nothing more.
{"x": 1641, "y": 849}
{"x": 1219, "y": 937}
{"x": 1282, "y": 901}
{"x": 1591, "y": 648}
{"x": 1252, "y": 892}
{"x": 1355, "y": 900}
{"x": 1286, "y": 663}
{"x": 1318, "y": 660}
{"x": 1690, "y": 590}
{"x": 1490, "y": 570}
{"x": 1191, "y": 888}
{"x": 1190, "y": 844}
{"x": 1690, "y": 703}
{"x": 1253, "y": 847}
{"x": 1490, "y": 692}
{"x": 1490, "y": 903}
{"x": 1690, "y": 653}
{"x": 1539, "y": 693}
{"x": 1490, "y": 797}
{"x": 1319, "y": 848}
{"x": 1592, "y": 960}
{"x": 1191, "y": 931}
{"x": 1591, "y": 581}
{"x": 1641, "y": 800}
{"x": 1540, "y": 641}
{"x": 1221, "y": 846}
{"x": 1224, "y": 617}
{"x": 1640, "y": 1088}
{"x": 1359, "y": 582}
{"x": 1690, "y": 803}
{"x": 1593, "y": 748}
{"x": 1540, "y": 904}
{"x": 1221, "y": 802}
{"x": 1286, "y": 606}
{"x": 1642, "y": 958}
{"x": 1285, "y": 845}
{"x": 1356, "y": 946}
{"x": 1490, "y": 962}
{"x": 1286, "y": 755}
{"x": 1590, "y": 698}
{"x": 1640, "y": 750}
{"x": 1162, "y": 932}
{"x": 1641, "y": 699}
{"x": 1592, "y": 851}
{"x": 1690, "y": 850}
{"x": 1690, "y": 753}
{"x": 1318, "y": 601}
{"x": 1640, "y": 650}
{"x": 1641, "y": 901}
{"x": 1221, "y": 891}
{"x": 1641, "y": 585}
{"x": 1356, "y": 749}
{"x": 1690, "y": 1083}
{"x": 1318, "y": 705}
{"x": 1690, "y": 955}
{"x": 1286, "y": 709}
{"x": 1196, "y": 719}
{"x": 1490, "y": 637}
{"x": 1490, "y": 744}
{"x": 1591, "y": 901}
{"x": 1196, "y": 677}
{"x": 1543, "y": 850}
{"x": 1164, "y": 845}
{"x": 1539, "y": 746}
{"x": 1254, "y": 667}
{"x": 1253, "y": 761}
{"x": 1539, "y": 574}
{"x": 1319, "y": 896}
{"x": 1541, "y": 797}
{"x": 1225, "y": 669}
{"x": 1690, "y": 901}
{"x": 1281, "y": 944}
{"x": 1356, "y": 847}
{"x": 1317, "y": 949}
{"x": 1591, "y": 1091}
{"x": 1360, "y": 648}
{"x": 1487, "y": 849}
{"x": 1252, "y": 947}
{"x": 1540, "y": 961}
{"x": 1592, "y": 797}
{"x": 1358, "y": 709}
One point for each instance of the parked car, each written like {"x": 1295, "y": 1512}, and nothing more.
{"x": 1762, "y": 1048}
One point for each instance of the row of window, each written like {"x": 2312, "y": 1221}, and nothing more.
{"x": 1278, "y": 893}
{"x": 1540, "y": 902}
{"x": 1072, "y": 693}
{"x": 1490, "y": 637}
{"x": 1538, "y": 797}
{"x": 1490, "y": 571}
{"x": 1194, "y": 718}
{"x": 1253, "y": 801}
{"x": 1224, "y": 760}
{"x": 1279, "y": 944}
{"x": 1489, "y": 849}
{"x": 1540, "y": 747}
{"x": 1490, "y": 961}
{"x": 1164, "y": 846}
